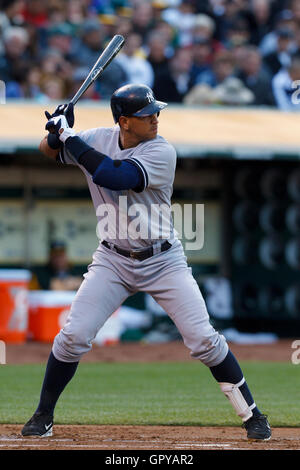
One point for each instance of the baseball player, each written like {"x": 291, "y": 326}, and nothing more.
{"x": 131, "y": 162}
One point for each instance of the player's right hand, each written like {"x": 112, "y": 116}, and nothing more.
{"x": 53, "y": 141}
{"x": 60, "y": 128}
{"x": 63, "y": 109}
{"x": 53, "y": 133}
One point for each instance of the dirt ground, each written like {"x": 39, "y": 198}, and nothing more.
{"x": 33, "y": 352}
{"x": 147, "y": 438}
{"x": 180, "y": 438}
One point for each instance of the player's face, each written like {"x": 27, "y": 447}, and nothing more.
{"x": 144, "y": 127}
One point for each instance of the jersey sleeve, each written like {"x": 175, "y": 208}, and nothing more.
{"x": 66, "y": 157}
{"x": 157, "y": 164}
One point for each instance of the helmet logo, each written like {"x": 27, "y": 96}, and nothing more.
{"x": 150, "y": 97}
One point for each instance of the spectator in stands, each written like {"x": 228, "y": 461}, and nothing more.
{"x": 142, "y": 18}
{"x": 32, "y": 87}
{"x": 157, "y": 56}
{"x": 295, "y": 9}
{"x": 26, "y": 82}
{"x": 282, "y": 56}
{"x": 181, "y": 17}
{"x": 201, "y": 57}
{"x": 56, "y": 13}
{"x": 75, "y": 13}
{"x": 34, "y": 46}
{"x": 203, "y": 27}
{"x": 286, "y": 86}
{"x": 60, "y": 38}
{"x": 133, "y": 60}
{"x": 58, "y": 274}
{"x": 233, "y": 13}
{"x": 54, "y": 87}
{"x": 175, "y": 83}
{"x": 201, "y": 94}
{"x": 262, "y": 20}
{"x": 283, "y": 20}
{"x": 53, "y": 63}
{"x": 35, "y": 13}
{"x": 238, "y": 33}
{"x": 10, "y": 15}
{"x": 255, "y": 77}
{"x": 123, "y": 26}
{"x": 231, "y": 92}
{"x": 169, "y": 32}
{"x": 15, "y": 41}
{"x": 222, "y": 68}
{"x": 91, "y": 40}
{"x": 294, "y": 48}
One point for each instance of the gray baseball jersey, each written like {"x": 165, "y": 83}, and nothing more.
{"x": 144, "y": 214}
{"x": 112, "y": 277}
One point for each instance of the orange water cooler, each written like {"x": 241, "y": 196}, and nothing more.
{"x": 14, "y": 304}
{"x": 48, "y": 311}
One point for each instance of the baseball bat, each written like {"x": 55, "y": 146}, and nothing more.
{"x": 102, "y": 62}
{"x": 111, "y": 50}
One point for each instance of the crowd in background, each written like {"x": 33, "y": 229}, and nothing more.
{"x": 198, "y": 52}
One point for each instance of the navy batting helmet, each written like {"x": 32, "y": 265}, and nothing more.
{"x": 134, "y": 100}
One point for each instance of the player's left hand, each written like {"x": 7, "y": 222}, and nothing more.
{"x": 63, "y": 110}
{"x": 59, "y": 126}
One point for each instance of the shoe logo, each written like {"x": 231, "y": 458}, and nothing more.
{"x": 47, "y": 427}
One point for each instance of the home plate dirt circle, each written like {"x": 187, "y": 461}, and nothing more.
{"x": 181, "y": 438}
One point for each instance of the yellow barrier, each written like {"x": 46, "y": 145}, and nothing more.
{"x": 22, "y": 124}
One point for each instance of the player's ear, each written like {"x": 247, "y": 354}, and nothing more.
{"x": 124, "y": 122}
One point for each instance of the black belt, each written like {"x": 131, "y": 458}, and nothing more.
{"x": 137, "y": 254}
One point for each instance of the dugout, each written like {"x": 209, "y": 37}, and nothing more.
{"x": 242, "y": 164}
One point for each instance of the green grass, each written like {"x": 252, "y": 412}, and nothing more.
{"x": 151, "y": 393}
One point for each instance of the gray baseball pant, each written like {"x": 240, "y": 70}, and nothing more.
{"x": 111, "y": 278}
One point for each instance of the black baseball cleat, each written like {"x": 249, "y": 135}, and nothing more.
{"x": 258, "y": 428}
{"x": 40, "y": 425}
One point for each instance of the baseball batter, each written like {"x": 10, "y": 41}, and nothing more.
{"x": 130, "y": 170}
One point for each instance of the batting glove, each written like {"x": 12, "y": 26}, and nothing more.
{"x": 53, "y": 141}
{"x": 63, "y": 109}
{"x": 59, "y": 126}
